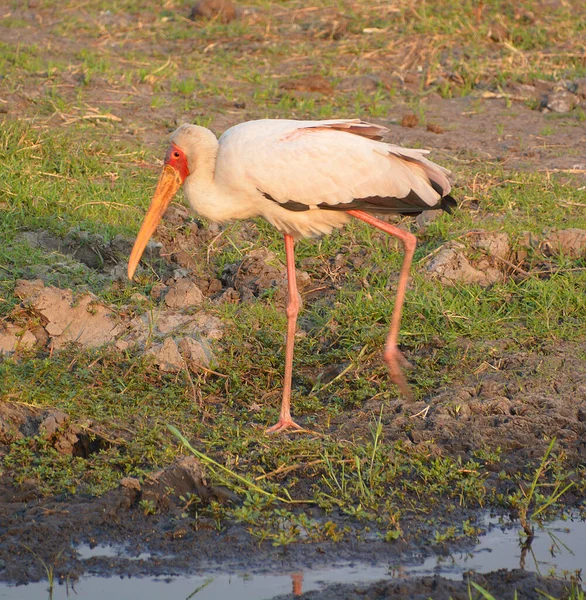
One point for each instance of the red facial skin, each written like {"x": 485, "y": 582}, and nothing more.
{"x": 176, "y": 158}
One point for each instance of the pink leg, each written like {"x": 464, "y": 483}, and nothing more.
{"x": 285, "y": 420}
{"x": 393, "y": 356}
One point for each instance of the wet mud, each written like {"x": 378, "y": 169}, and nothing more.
{"x": 502, "y": 584}
{"x": 514, "y": 402}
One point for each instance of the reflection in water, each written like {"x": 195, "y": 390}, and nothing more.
{"x": 297, "y": 579}
{"x": 560, "y": 546}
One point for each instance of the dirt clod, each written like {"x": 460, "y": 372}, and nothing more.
{"x": 184, "y": 294}
{"x": 167, "y": 356}
{"x": 450, "y": 265}
{"x": 85, "y": 321}
{"x": 500, "y": 258}
{"x": 13, "y": 338}
{"x": 410, "y": 120}
{"x": 435, "y": 128}
{"x": 258, "y": 274}
{"x": 365, "y": 83}
{"x": 559, "y": 101}
{"x": 569, "y": 242}
{"x": 20, "y": 421}
{"x": 498, "y": 32}
{"x": 184, "y": 477}
{"x": 223, "y": 10}
{"x": 197, "y": 353}
{"x": 90, "y": 249}
{"x": 309, "y": 83}
{"x": 493, "y": 243}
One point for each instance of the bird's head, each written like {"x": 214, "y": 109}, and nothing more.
{"x": 178, "y": 165}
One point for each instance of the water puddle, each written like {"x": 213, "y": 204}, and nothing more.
{"x": 557, "y": 548}
{"x": 86, "y": 552}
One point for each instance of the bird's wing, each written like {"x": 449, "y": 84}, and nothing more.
{"x": 327, "y": 164}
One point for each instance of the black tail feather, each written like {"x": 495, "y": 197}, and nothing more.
{"x": 448, "y": 203}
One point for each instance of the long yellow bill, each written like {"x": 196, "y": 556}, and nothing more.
{"x": 169, "y": 183}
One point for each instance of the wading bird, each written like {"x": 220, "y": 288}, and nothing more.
{"x": 306, "y": 178}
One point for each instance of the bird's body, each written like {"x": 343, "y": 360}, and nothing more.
{"x": 306, "y": 178}
{"x": 302, "y": 176}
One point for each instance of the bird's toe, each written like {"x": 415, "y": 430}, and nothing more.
{"x": 282, "y": 425}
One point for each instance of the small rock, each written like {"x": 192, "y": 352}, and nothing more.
{"x": 41, "y": 336}
{"x": 8, "y": 341}
{"x": 499, "y": 406}
{"x": 85, "y": 321}
{"x": 222, "y": 10}
{"x": 184, "y": 294}
{"x": 178, "y": 214}
{"x": 172, "y": 322}
{"x": 259, "y": 272}
{"x": 65, "y": 444}
{"x": 410, "y": 120}
{"x": 26, "y": 288}
{"x": 210, "y": 326}
{"x": 54, "y": 329}
{"x": 180, "y": 273}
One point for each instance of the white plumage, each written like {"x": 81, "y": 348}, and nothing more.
{"x": 306, "y": 178}
{"x": 307, "y": 162}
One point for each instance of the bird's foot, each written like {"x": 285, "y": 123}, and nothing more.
{"x": 395, "y": 360}
{"x": 282, "y": 424}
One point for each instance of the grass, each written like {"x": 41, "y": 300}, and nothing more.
{"x": 80, "y": 149}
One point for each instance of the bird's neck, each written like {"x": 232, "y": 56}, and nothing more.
{"x": 204, "y": 169}
{"x": 206, "y": 196}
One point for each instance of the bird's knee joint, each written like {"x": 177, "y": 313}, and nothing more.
{"x": 292, "y": 309}
{"x": 410, "y": 242}
{"x": 293, "y": 306}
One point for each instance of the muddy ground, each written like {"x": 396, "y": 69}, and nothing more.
{"x": 516, "y": 400}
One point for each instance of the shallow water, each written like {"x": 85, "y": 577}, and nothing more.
{"x": 560, "y": 546}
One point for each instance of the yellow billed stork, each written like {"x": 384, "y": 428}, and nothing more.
{"x": 306, "y": 178}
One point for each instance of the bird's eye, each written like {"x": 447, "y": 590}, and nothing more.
{"x": 176, "y": 154}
